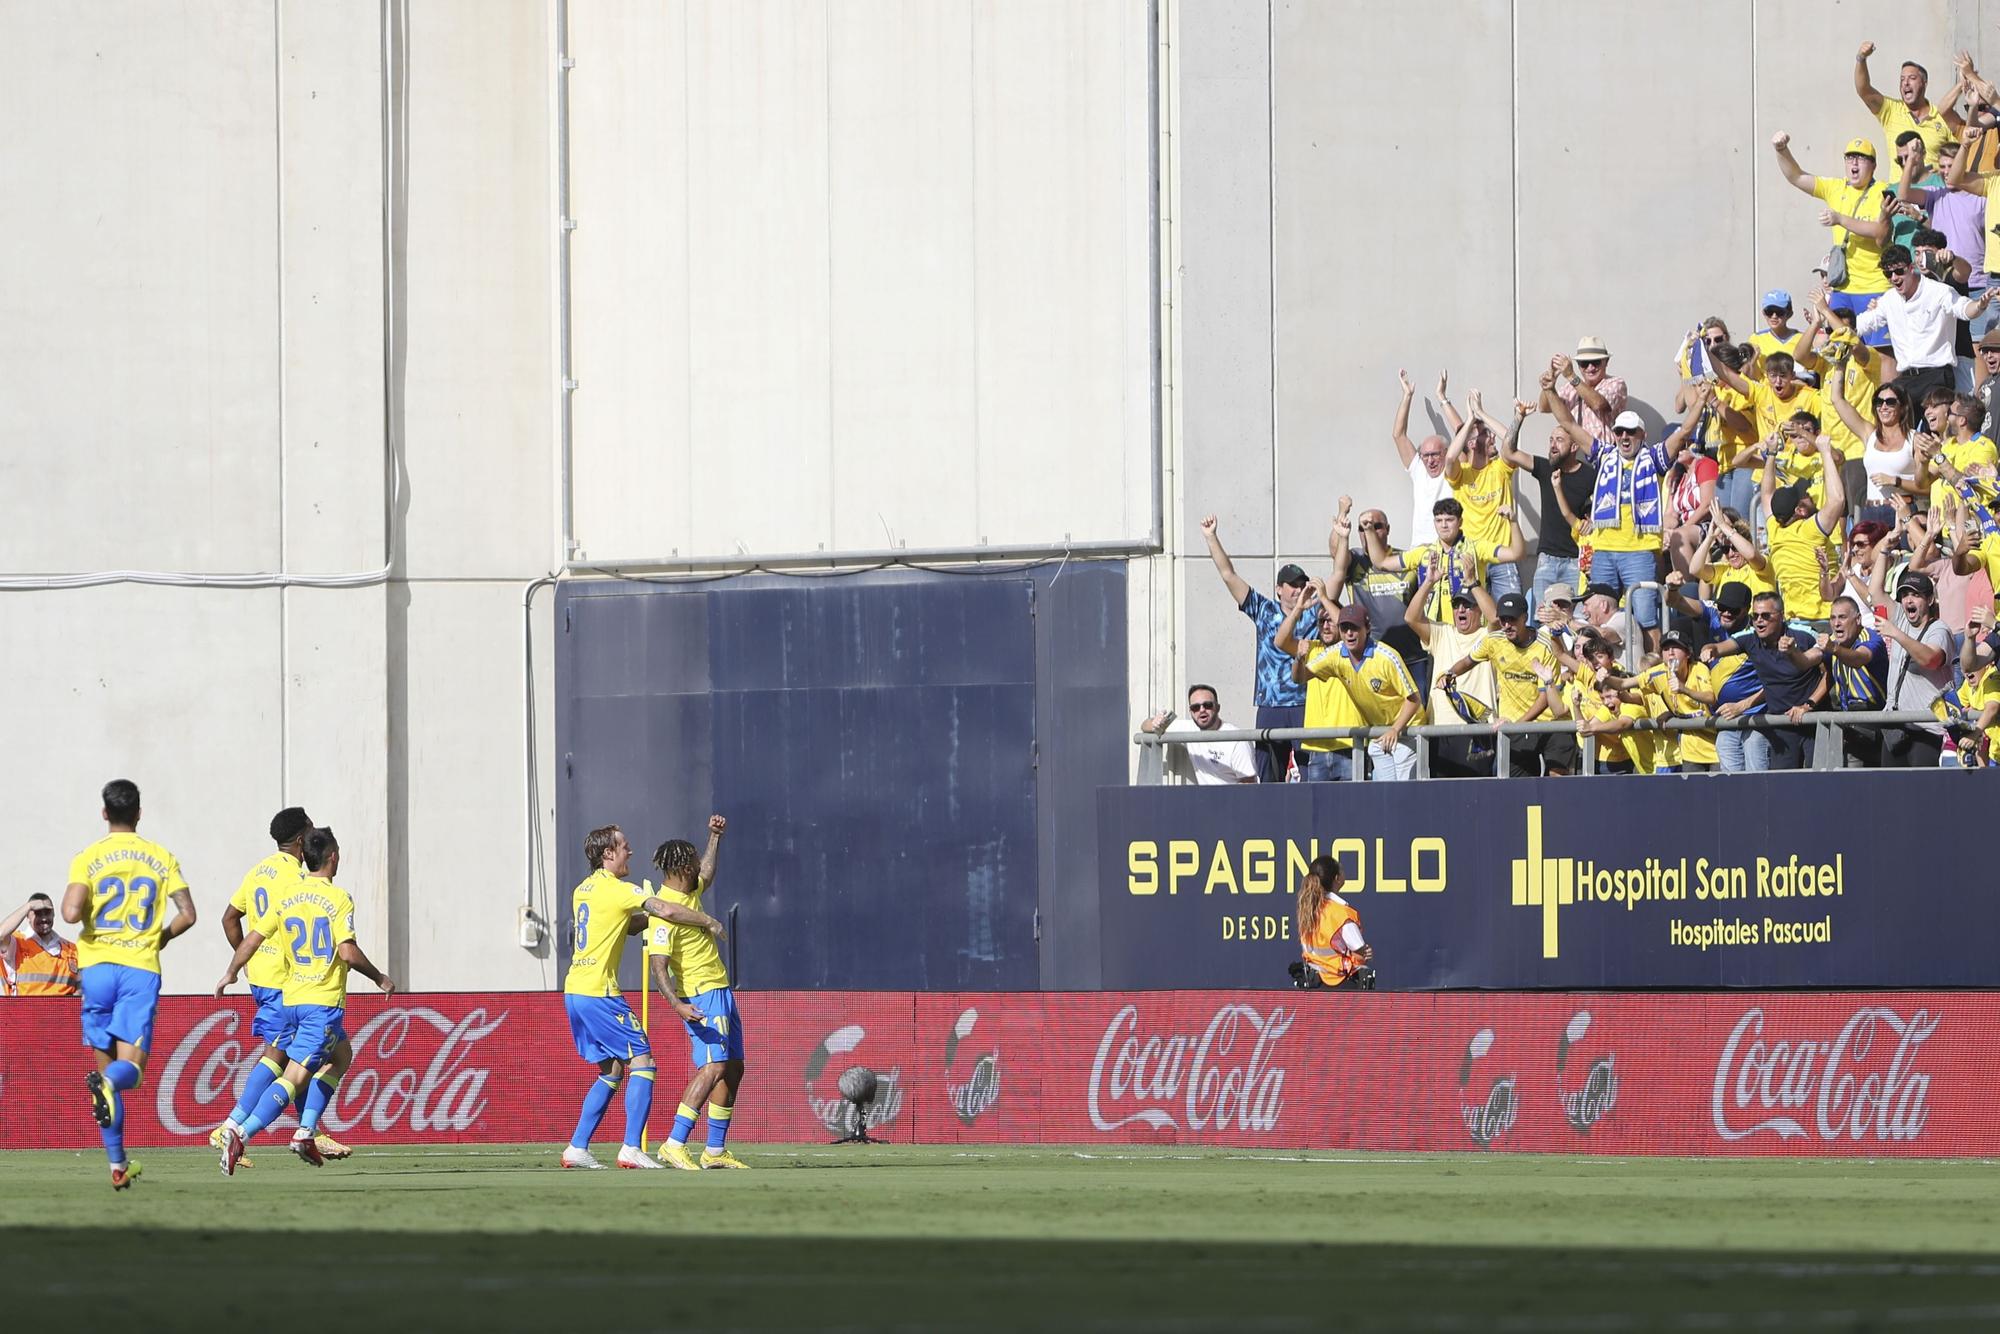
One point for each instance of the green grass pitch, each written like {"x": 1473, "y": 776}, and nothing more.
{"x": 919, "y": 1239}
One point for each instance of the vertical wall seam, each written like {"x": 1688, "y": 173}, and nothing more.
{"x": 972, "y": 212}
{"x": 832, "y": 454}
{"x": 1514, "y": 183}
{"x": 284, "y": 556}
{"x": 687, "y": 275}
{"x": 1271, "y": 241}
{"x": 1756, "y": 163}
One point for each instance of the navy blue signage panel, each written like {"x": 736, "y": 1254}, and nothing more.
{"x": 1780, "y": 880}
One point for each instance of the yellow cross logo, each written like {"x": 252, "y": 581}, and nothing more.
{"x": 1541, "y": 882}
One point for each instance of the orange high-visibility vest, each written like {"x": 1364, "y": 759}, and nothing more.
{"x": 1333, "y": 961}
{"x": 40, "y": 972}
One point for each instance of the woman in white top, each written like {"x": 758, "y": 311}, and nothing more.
{"x": 1889, "y": 459}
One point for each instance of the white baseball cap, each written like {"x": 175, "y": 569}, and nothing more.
{"x": 1628, "y": 420}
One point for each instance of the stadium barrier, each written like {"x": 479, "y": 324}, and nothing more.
{"x": 1750, "y": 880}
{"x": 1909, "y": 1073}
{"x": 1829, "y": 731}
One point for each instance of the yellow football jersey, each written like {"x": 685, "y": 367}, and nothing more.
{"x": 692, "y": 951}
{"x": 600, "y": 910}
{"x": 311, "y": 919}
{"x": 130, "y": 879}
{"x": 267, "y": 967}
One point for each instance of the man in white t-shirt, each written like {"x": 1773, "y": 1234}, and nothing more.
{"x": 1424, "y": 463}
{"x": 1203, "y": 762}
{"x": 1921, "y": 315}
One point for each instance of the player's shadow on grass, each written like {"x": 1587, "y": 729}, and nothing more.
{"x": 688, "y": 1280}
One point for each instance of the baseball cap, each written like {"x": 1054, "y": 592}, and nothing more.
{"x": 1991, "y": 338}
{"x": 1465, "y": 600}
{"x": 1777, "y": 296}
{"x": 1916, "y": 581}
{"x": 1601, "y": 591}
{"x": 1785, "y": 501}
{"x": 1733, "y": 597}
{"x": 1861, "y": 146}
{"x": 1561, "y": 593}
{"x": 1512, "y": 605}
{"x": 1292, "y": 574}
{"x": 1353, "y": 614}
{"x": 1629, "y": 420}
{"x": 1591, "y": 348}
{"x": 1675, "y": 639}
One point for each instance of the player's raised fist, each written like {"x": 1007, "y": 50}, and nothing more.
{"x": 716, "y": 824}
{"x": 1865, "y": 50}
{"x": 1781, "y": 140}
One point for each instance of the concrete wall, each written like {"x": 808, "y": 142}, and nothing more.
{"x": 192, "y": 308}
{"x": 1550, "y": 168}
{"x": 860, "y": 275}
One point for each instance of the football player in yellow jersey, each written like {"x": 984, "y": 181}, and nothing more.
{"x": 313, "y": 920}
{"x": 115, "y": 888}
{"x": 267, "y": 969}
{"x": 604, "y": 910}
{"x": 690, "y": 974}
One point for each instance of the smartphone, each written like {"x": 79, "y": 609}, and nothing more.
{"x": 1881, "y": 613}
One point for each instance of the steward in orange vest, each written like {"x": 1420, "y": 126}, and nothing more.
{"x": 1329, "y": 928}
{"x": 43, "y": 963}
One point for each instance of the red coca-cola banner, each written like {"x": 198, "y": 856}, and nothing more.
{"x": 1906, "y": 1073}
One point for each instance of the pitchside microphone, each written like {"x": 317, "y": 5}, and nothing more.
{"x": 858, "y": 1085}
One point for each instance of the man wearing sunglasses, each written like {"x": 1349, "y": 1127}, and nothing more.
{"x": 1786, "y": 686}
{"x": 1921, "y": 316}
{"x": 1208, "y": 763}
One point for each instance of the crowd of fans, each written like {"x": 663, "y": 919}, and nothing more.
{"x": 1819, "y": 530}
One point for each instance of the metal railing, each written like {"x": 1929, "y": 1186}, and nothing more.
{"x": 1829, "y": 736}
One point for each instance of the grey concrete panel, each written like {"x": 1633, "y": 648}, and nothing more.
{"x": 759, "y": 284}
{"x": 335, "y": 740}
{"x": 1061, "y": 189}
{"x": 629, "y": 277}
{"x": 474, "y": 291}
{"x": 1804, "y": 79}
{"x": 1394, "y": 238}
{"x": 176, "y": 689}
{"x": 330, "y": 97}
{"x": 1223, "y": 291}
{"x": 900, "y": 166}
{"x": 138, "y": 288}
{"x": 1629, "y": 229}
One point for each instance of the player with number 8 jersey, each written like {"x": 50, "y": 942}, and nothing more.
{"x": 117, "y": 887}
{"x": 604, "y": 910}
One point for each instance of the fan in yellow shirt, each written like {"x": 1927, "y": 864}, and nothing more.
{"x": 1804, "y": 537}
{"x": 1678, "y": 686}
{"x": 1910, "y": 109}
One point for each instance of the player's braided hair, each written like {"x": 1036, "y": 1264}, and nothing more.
{"x": 1322, "y": 874}
{"x": 677, "y": 859}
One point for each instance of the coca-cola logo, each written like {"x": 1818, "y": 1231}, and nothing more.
{"x": 1221, "y": 1079}
{"x": 1854, "y": 1086}
{"x": 438, "y": 1092}
{"x": 1592, "y": 1099}
{"x": 1489, "y": 1117}
{"x": 837, "y": 1113}
{"x": 970, "y": 1087}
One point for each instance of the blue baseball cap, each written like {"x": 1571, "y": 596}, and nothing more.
{"x": 1777, "y": 296}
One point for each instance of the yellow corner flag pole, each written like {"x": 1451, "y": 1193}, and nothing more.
{"x": 646, "y": 1009}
